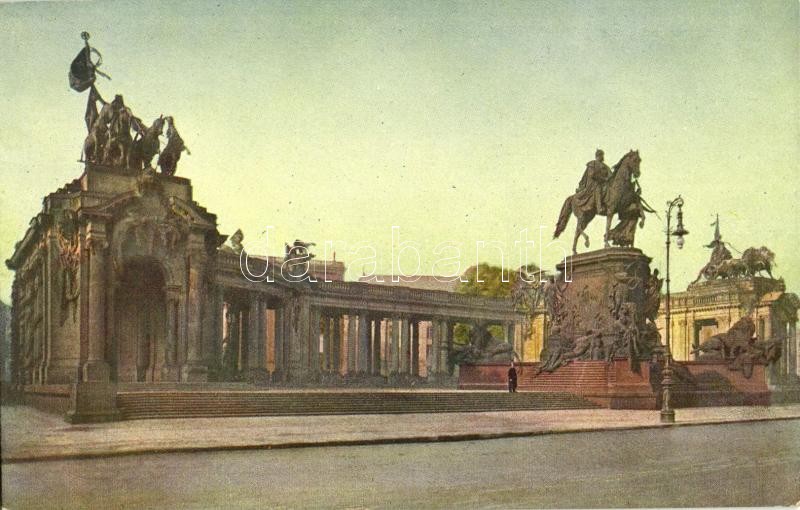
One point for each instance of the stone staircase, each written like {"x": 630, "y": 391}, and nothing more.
{"x": 226, "y": 403}
{"x": 584, "y": 376}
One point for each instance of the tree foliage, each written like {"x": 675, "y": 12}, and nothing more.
{"x": 487, "y": 280}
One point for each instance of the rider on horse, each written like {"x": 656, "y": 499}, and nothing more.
{"x": 608, "y": 194}
{"x": 591, "y": 189}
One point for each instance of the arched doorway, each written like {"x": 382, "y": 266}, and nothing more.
{"x": 140, "y": 323}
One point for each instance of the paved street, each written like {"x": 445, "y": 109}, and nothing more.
{"x": 744, "y": 464}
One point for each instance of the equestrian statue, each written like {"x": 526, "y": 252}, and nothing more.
{"x": 606, "y": 192}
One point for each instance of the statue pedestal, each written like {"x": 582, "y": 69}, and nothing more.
{"x": 713, "y": 383}
{"x": 92, "y": 402}
{"x": 610, "y": 385}
{"x": 194, "y": 372}
{"x": 601, "y": 293}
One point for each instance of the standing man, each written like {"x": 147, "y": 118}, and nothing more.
{"x": 512, "y": 379}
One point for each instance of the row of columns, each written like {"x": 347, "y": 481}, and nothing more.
{"x": 360, "y": 343}
{"x": 258, "y": 339}
{"x": 298, "y": 341}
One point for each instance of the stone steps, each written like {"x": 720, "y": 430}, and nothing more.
{"x": 591, "y": 374}
{"x": 188, "y": 404}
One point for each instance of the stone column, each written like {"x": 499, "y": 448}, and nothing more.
{"x": 326, "y": 341}
{"x": 298, "y": 344}
{"x": 280, "y": 337}
{"x": 213, "y": 324}
{"x": 94, "y": 397}
{"x": 364, "y": 344}
{"x": 336, "y": 342}
{"x": 795, "y": 355}
{"x": 241, "y": 340}
{"x": 377, "y": 369}
{"x": 96, "y": 367}
{"x": 393, "y": 355}
{"x": 434, "y": 354}
{"x": 511, "y": 338}
{"x": 414, "y": 334}
{"x": 194, "y": 369}
{"x": 405, "y": 345}
{"x": 384, "y": 345}
{"x": 256, "y": 340}
{"x": 426, "y": 330}
{"x": 269, "y": 339}
{"x": 448, "y": 347}
{"x": 314, "y": 334}
{"x": 169, "y": 370}
{"x": 262, "y": 335}
{"x": 351, "y": 326}
{"x": 15, "y": 344}
{"x": 783, "y": 361}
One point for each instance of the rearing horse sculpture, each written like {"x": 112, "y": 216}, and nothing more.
{"x": 621, "y": 197}
{"x": 146, "y": 144}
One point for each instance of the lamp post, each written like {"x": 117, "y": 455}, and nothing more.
{"x": 667, "y": 413}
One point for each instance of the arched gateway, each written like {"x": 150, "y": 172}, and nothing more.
{"x": 138, "y": 352}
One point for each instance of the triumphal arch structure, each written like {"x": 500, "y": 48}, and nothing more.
{"x": 124, "y": 279}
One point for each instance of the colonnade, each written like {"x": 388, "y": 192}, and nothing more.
{"x": 364, "y": 343}
{"x": 299, "y": 341}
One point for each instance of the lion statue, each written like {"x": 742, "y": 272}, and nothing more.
{"x": 729, "y": 344}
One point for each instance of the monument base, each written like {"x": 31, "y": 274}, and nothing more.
{"x": 92, "y": 402}
{"x": 615, "y": 385}
{"x": 714, "y": 383}
{"x": 194, "y": 372}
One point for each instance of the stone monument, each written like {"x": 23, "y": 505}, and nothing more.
{"x": 602, "y": 304}
{"x": 599, "y": 305}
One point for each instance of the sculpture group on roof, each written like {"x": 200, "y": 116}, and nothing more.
{"x": 722, "y": 264}
{"x": 116, "y": 137}
{"x": 297, "y": 259}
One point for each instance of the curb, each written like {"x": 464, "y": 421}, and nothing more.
{"x": 450, "y": 438}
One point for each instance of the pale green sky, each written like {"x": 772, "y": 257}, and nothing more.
{"x": 458, "y": 122}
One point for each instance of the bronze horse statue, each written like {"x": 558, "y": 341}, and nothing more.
{"x": 146, "y": 144}
{"x": 95, "y": 143}
{"x": 169, "y": 157}
{"x": 758, "y": 259}
{"x": 753, "y": 262}
{"x": 620, "y": 196}
{"x": 119, "y": 139}
{"x": 729, "y": 344}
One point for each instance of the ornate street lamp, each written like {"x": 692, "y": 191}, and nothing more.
{"x": 667, "y": 413}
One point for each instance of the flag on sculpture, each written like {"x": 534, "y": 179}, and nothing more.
{"x": 82, "y": 74}
{"x": 83, "y": 70}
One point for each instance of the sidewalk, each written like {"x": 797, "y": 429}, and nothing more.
{"x": 30, "y": 435}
